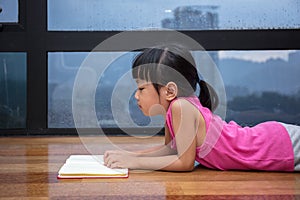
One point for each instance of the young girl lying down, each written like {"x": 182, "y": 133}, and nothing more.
{"x": 167, "y": 78}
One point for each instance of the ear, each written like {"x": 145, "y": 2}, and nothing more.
{"x": 171, "y": 91}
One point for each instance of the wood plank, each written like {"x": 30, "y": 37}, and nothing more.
{"x": 29, "y": 166}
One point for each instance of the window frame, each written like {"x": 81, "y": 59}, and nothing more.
{"x": 30, "y": 35}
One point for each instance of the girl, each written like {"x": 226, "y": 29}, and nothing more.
{"x": 167, "y": 80}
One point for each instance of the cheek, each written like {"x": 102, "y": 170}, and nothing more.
{"x": 152, "y": 107}
{"x": 156, "y": 109}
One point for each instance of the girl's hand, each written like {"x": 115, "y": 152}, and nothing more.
{"x": 120, "y": 159}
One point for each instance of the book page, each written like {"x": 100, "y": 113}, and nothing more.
{"x": 84, "y": 166}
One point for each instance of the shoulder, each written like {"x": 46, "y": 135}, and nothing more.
{"x": 181, "y": 107}
{"x": 181, "y": 103}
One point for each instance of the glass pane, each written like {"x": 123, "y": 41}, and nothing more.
{"x": 62, "y": 69}
{"x": 260, "y": 86}
{"x": 9, "y": 11}
{"x": 106, "y": 15}
{"x": 12, "y": 90}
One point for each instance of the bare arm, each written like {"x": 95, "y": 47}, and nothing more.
{"x": 185, "y": 127}
{"x": 160, "y": 150}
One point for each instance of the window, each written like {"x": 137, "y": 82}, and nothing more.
{"x": 45, "y": 42}
{"x": 63, "y": 67}
{"x": 12, "y": 90}
{"x": 120, "y": 15}
{"x": 260, "y": 85}
{"x": 9, "y": 11}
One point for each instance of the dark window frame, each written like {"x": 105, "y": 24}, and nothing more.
{"x": 30, "y": 35}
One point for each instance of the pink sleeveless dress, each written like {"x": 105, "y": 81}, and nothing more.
{"x": 228, "y": 146}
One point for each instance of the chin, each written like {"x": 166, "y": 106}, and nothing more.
{"x": 151, "y": 114}
{"x": 144, "y": 112}
{"x": 148, "y": 114}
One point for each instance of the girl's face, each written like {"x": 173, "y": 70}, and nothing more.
{"x": 149, "y": 101}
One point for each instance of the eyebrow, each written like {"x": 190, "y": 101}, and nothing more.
{"x": 139, "y": 81}
{"x": 142, "y": 82}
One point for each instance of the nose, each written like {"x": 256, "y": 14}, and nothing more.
{"x": 136, "y": 95}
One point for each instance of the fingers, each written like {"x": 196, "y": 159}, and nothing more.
{"x": 112, "y": 163}
{"x": 110, "y": 159}
{"x": 106, "y": 158}
{"x": 107, "y": 155}
{"x": 116, "y": 159}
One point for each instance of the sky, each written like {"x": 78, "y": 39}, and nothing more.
{"x": 256, "y": 56}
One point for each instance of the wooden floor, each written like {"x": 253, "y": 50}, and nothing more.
{"x": 29, "y": 166}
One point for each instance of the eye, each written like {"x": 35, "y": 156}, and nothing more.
{"x": 141, "y": 88}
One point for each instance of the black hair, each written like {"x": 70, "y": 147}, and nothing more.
{"x": 162, "y": 64}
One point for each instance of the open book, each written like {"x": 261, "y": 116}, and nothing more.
{"x": 89, "y": 166}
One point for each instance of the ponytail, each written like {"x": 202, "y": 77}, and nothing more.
{"x": 208, "y": 96}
